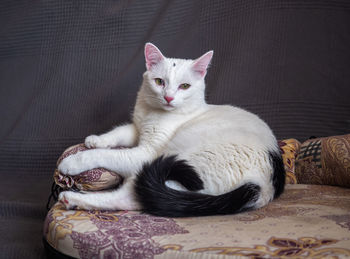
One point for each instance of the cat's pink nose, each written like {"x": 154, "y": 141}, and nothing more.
{"x": 168, "y": 98}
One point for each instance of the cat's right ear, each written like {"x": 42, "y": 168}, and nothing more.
{"x": 152, "y": 55}
{"x": 200, "y": 65}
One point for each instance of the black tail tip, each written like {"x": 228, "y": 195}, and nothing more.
{"x": 279, "y": 173}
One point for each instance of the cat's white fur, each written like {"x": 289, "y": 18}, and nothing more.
{"x": 227, "y": 146}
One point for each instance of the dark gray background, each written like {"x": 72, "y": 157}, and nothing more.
{"x": 72, "y": 68}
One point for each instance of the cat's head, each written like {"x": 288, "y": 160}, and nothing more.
{"x": 171, "y": 83}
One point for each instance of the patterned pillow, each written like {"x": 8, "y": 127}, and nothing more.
{"x": 91, "y": 180}
{"x": 289, "y": 150}
{"x": 101, "y": 179}
{"x": 324, "y": 161}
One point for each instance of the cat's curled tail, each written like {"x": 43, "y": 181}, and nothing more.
{"x": 158, "y": 199}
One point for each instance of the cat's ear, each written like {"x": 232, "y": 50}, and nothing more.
{"x": 200, "y": 65}
{"x": 152, "y": 55}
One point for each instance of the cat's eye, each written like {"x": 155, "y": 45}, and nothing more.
{"x": 184, "y": 86}
{"x": 159, "y": 81}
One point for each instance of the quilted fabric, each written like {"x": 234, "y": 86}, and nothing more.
{"x": 307, "y": 220}
{"x": 324, "y": 161}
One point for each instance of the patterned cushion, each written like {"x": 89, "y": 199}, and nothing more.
{"x": 91, "y": 180}
{"x": 101, "y": 179}
{"x": 289, "y": 150}
{"x": 306, "y": 221}
{"x": 324, "y": 161}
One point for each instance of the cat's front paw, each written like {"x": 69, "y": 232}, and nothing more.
{"x": 94, "y": 141}
{"x": 71, "y": 200}
{"x": 74, "y": 164}
{"x": 64, "y": 199}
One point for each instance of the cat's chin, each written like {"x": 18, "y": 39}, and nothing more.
{"x": 168, "y": 107}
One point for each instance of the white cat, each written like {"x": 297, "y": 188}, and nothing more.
{"x": 186, "y": 157}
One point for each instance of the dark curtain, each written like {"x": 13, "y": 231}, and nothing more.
{"x": 72, "y": 68}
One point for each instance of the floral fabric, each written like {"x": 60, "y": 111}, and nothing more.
{"x": 91, "y": 180}
{"x": 289, "y": 150}
{"x": 306, "y": 221}
{"x": 324, "y": 161}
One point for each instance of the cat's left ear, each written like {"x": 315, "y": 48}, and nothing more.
{"x": 200, "y": 65}
{"x": 152, "y": 55}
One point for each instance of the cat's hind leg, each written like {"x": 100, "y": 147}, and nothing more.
{"x": 122, "y": 198}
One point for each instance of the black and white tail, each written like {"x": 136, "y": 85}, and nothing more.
{"x": 279, "y": 174}
{"x": 158, "y": 199}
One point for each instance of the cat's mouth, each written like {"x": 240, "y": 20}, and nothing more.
{"x": 168, "y": 106}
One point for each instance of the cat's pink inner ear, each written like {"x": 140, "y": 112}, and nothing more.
{"x": 201, "y": 64}
{"x": 152, "y": 55}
